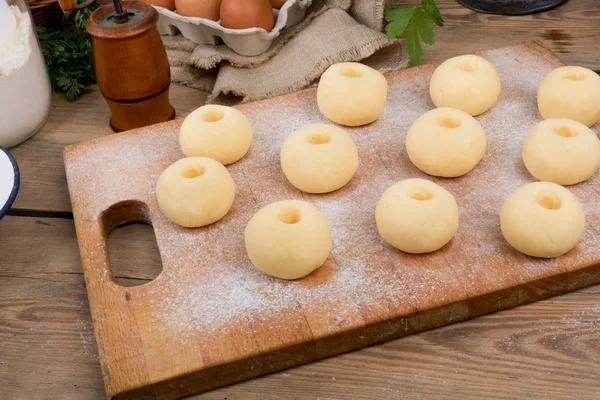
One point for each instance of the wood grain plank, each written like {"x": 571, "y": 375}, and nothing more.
{"x": 572, "y": 31}
{"x": 48, "y": 246}
{"x": 46, "y": 335}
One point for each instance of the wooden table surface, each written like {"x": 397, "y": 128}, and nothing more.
{"x": 549, "y": 349}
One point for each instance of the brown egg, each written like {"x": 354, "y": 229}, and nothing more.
{"x": 277, "y": 3}
{"x": 242, "y": 14}
{"x": 168, "y": 4}
{"x": 208, "y": 9}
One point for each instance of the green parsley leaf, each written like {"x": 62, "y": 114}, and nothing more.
{"x": 425, "y": 26}
{"x": 413, "y": 43}
{"x": 69, "y": 56}
{"x": 419, "y": 24}
{"x": 398, "y": 19}
{"x": 433, "y": 12}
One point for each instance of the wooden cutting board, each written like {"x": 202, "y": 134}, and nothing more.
{"x": 211, "y": 318}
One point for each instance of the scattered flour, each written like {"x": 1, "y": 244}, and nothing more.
{"x": 86, "y": 335}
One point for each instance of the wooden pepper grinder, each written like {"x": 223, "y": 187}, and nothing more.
{"x": 131, "y": 62}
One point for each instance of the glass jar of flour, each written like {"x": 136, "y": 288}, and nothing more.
{"x": 24, "y": 84}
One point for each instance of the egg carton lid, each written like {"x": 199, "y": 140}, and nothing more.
{"x": 247, "y": 42}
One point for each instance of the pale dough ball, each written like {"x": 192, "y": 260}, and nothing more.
{"x": 195, "y": 191}
{"x": 219, "y": 132}
{"x": 469, "y": 83}
{"x": 288, "y": 239}
{"x": 417, "y": 216}
{"x": 445, "y": 142}
{"x": 319, "y": 158}
{"x": 562, "y": 151}
{"x": 570, "y": 92}
{"x": 542, "y": 219}
{"x": 352, "y": 94}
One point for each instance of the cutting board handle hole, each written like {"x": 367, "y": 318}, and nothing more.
{"x": 122, "y": 222}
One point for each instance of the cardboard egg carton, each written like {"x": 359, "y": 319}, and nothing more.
{"x": 247, "y": 42}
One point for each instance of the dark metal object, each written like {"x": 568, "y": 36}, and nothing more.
{"x": 121, "y": 16}
{"x": 111, "y": 19}
{"x": 510, "y": 7}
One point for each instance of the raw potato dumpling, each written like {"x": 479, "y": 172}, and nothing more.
{"x": 218, "y": 132}
{"x": 445, "y": 142}
{"x": 319, "y": 158}
{"x": 542, "y": 219}
{"x": 417, "y": 216}
{"x": 570, "y": 92}
{"x": 352, "y": 94}
{"x": 288, "y": 239}
{"x": 195, "y": 191}
{"x": 562, "y": 151}
{"x": 469, "y": 83}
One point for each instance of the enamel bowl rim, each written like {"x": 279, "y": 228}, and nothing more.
{"x": 11, "y": 198}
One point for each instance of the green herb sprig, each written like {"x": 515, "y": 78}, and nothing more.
{"x": 69, "y": 56}
{"x": 419, "y": 23}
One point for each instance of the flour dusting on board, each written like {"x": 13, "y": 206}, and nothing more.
{"x": 210, "y": 290}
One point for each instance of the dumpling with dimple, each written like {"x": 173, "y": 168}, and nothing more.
{"x": 218, "y": 132}
{"x": 570, "y": 92}
{"x": 417, "y": 216}
{"x": 542, "y": 219}
{"x": 469, "y": 83}
{"x": 352, "y": 94}
{"x": 446, "y": 142}
{"x": 195, "y": 191}
{"x": 288, "y": 239}
{"x": 319, "y": 158}
{"x": 562, "y": 151}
